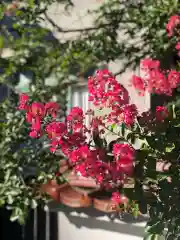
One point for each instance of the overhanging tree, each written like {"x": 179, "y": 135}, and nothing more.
{"x": 42, "y": 55}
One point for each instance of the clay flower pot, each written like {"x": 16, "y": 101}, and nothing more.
{"x": 105, "y": 205}
{"x": 78, "y": 191}
{"x": 74, "y": 193}
{"x": 52, "y": 189}
{"x": 72, "y": 198}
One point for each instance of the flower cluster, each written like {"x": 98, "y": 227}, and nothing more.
{"x": 104, "y": 90}
{"x": 172, "y": 25}
{"x": 156, "y": 80}
{"x": 70, "y": 137}
{"x": 173, "y": 29}
{"x": 78, "y": 142}
{"x": 36, "y": 113}
{"x": 84, "y": 146}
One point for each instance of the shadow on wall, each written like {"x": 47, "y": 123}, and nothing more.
{"x": 90, "y": 218}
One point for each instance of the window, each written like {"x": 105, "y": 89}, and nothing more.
{"x": 78, "y": 97}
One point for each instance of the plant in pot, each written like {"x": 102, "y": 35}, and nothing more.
{"x": 137, "y": 172}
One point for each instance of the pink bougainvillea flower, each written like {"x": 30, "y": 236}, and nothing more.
{"x": 38, "y": 109}
{"x": 178, "y": 48}
{"x": 76, "y": 113}
{"x": 54, "y": 145}
{"x": 33, "y": 134}
{"x": 36, "y": 125}
{"x": 138, "y": 83}
{"x": 22, "y": 107}
{"x": 116, "y": 198}
{"x": 121, "y": 150}
{"x": 126, "y": 114}
{"x": 55, "y": 129}
{"x": 174, "y": 21}
{"x": 29, "y": 117}
{"x": 75, "y": 120}
{"x": 125, "y": 165}
{"x": 105, "y": 91}
{"x": 23, "y": 100}
{"x": 36, "y": 130}
{"x": 81, "y": 169}
{"x": 161, "y": 113}
{"x": 129, "y": 114}
{"x": 51, "y": 108}
{"x": 79, "y": 154}
{"x": 158, "y": 81}
{"x": 149, "y": 63}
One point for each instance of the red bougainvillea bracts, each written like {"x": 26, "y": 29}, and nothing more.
{"x": 173, "y": 23}
{"x": 78, "y": 141}
{"x": 156, "y": 80}
{"x": 85, "y": 146}
{"x": 118, "y": 198}
{"x": 178, "y": 48}
{"x": 74, "y": 139}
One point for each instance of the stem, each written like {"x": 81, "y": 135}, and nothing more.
{"x": 59, "y": 29}
{"x": 139, "y": 126}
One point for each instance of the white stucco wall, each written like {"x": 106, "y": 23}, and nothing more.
{"x": 91, "y": 224}
{"x": 84, "y": 227}
{"x": 78, "y": 18}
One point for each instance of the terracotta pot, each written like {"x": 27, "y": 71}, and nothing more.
{"x": 75, "y": 193}
{"x": 85, "y": 184}
{"x": 72, "y": 198}
{"x": 52, "y": 189}
{"x": 105, "y": 205}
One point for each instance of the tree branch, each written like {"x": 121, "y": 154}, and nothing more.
{"x": 59, "y": 29}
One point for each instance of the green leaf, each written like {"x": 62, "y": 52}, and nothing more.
{"x": 7, "y": 176}
{"x": 135, "y": 210}
{"x": 34, "y": 204}
{"x": 13, "y": 218}
{"x": 152, "y": 237}
{"x": 97, "y": 140}
{"x": 2, "y": 202}
{"x": 31, "y": 3}
{"x": 114, "y": 126}
{"x": 170, "y": 237}
{"x": 14, "y": 215}
{"x": 173, "y": 110}
{"x": 131, "y": 137}
{"x": 26, "y": 202}
{"x": 1, "y": 42}
{"x": 21, "y": 219}
{"x": 10, "y": 200}
{"x": 170, "y": 147}
{"x": 156, "y": 228}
